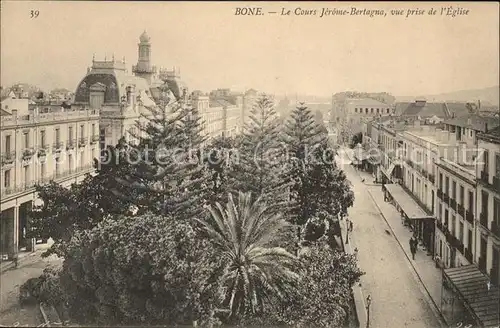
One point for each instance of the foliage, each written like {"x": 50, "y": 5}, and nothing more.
{"x": 81, "y": 207}
{"x": 260, "y": 156}
{"x": 323, "y": 296}
{"x": 241, "y": 232}
{"x": 144, "y": 270}
{"x": 46, "y": 288}
{"x": 169, "y": 152}
{"x": 317, "y": 184}
{"x": 356, "y": 139}
{"x": 315, "y": 228}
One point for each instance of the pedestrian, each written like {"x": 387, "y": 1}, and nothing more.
{"x": 347, "y": 223}
{"x": 350, "y": 227}
{"x": 413, "y": 246}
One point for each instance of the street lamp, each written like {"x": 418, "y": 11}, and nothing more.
{"x": 368, "y": 303}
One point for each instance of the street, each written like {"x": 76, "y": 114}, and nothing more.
{"x": 397, "y": 299}
{"x": 11, "y": 313}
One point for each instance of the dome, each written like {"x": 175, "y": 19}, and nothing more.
{"x": 144, "y": 37}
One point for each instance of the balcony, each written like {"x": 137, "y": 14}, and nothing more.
{"x": 446, "y": 199}
{"x": 71, "y": 144}
{"x": 57, "y": 146}
{"x": 453, "y": 203}
{"x": 440, "y": 194}
{"x": 94, "y": 139}
{"x": 8, "y": 157}
{"x": 483, "y": 219}
{"x": 461, "y": 210}
{"x": 82, "y": 142}
{"x": 432, "y": 178}
{"x": 28, "y": 153}
{"x": 29, "y": 186}
{"x": 43, "y": 150}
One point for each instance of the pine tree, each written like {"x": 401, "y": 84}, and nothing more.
{"x": 316, "y": 182}
{"x": 260, "y": 157}
{"x": 169, "y": 150}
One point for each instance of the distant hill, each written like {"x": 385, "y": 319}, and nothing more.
{"x": 486, "y": 95}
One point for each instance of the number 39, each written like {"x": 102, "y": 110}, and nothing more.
{"x": 34, "y": 13}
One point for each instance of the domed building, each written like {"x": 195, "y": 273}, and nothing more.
{"x": 121, "y": 97}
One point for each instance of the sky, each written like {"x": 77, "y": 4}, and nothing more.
{"x": 214, "y": 48}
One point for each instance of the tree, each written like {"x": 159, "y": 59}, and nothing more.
{"x": 317, "y": 184}
{"x": 260, "y": 163}
{"x": 356, "y": 139}
{"x": 324, "y": 293}
{"x": 64, "y": 211}
{"x": 169, "y": 149}
{"x": 241, "y": 232}
{"x": 142, "y": 270}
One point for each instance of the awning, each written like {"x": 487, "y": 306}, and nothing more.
{"x": 471, "y": 285}
{"x": 409, "y": 206}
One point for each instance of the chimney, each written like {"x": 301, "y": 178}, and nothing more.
{"x": 14, "y": 113}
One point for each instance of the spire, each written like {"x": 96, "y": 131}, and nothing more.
{"x": 93, "y": 57}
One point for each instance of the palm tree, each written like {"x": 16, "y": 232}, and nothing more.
{"x": 254, "y": 271}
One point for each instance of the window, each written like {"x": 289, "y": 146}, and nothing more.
{"x": 26, "y": 139}
{"x": 441, "y": 181}
{"x": 371, "y": 110}
{"x": 82, "y": 131}
{"x": 484, "y": 208}
{"x": 378, "y": 110}
{"x": 70, "y": 162}
{"x": 93, "y": 129}
{"x": 387, "y": 110}
{"x": 471, "y": 201}
{"x": 446, "y": 217}
{"x": 7, "y": 144}
{"x": 42, "y": 170}
{"x": 58, "y": 134}
{"x": 486, "y": 160}
{"x": 355, "y": 110}
{"x": 42, "y": 138}
{"x": 70, "y": 133}
{"x": 452, "y": 227}
{"x": 461, "y": 232}
{"x": 6, "y": 181}
{"x": 462, "y": 195}
{"x": 26, "y": 174}
{"x": 454, "y": 190}
{"x": 366, "y": 110}
{"x": 440, "y": 211}
{"x": 496, "y": 210}
{"x": 58, "y": 167}
{"x": 447, "y": 186}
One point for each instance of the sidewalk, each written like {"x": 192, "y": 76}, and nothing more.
{"x": 423, "y": 265}
{"x": 359, "y": 298}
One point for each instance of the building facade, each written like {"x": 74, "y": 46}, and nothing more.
{"x": 487, "y": 252}
{"x": 36, "y": 148}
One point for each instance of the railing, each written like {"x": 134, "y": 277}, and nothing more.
{"x": 94, "y": 139}
{"x": 446, "y": 198}
{"x": 82, "y": 142}
{"x": 461, "y": 210}
{"x": 453, "y": 203}
{"x": 57, "y": 146}
{"x": 416, "y": 199}
{"x": 42, "y": 152}
{"x": 483, "y": 219}
{"x": 432, "y": 178}
{"x": 440, "y": 194}
{"x": 11, "y": 120}
{"x": 28, "y": 153}
{"x": 8, "y": 157}
{"x": 71, "y": 144}
{"x": 25, "y": 186}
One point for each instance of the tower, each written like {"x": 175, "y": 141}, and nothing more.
{"x": 144, "y": 68}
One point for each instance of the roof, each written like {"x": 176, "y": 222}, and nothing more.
{"x": 406, "y": 202}
{"x": 366, "y": 102}
{"x": 144, "y": 37}
{"x": 492, "y": 136}
{"x": 472, "y": 287}
{"x": 475, "y": 122}
{"x": 3, "y": 112}
{"x": 457, "y": 108}
{"x": 176, "y": 86}
{"x": 423, "y": 109}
